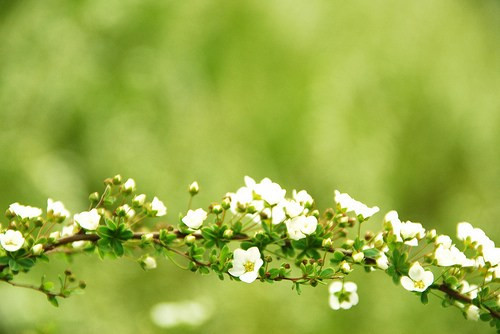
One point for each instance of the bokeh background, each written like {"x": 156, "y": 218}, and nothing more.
{"x": 396, "y": 103}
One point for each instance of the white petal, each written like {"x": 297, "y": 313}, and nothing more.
{"x": 350, "y": 286}
{"x": 353, "y": 298}
{"x": 407, "y": 283}
{"x": 416, "y": 272}
{"x": 253, "y": 254}
{"x": 345, "y": 305}
{"x": 249, "y": 277}
{"x": 237, "y": 271}
{"x": 428, "y": 278}
{"x": 334, "y": 302}
{"x": 258, "y": 264}
{"x": 239, "y": 255}
{"x": 335, "y": 287}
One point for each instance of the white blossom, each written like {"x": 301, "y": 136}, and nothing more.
{"x": 25, "y": 211}
{"x": 12, "y": 240}
{"x": 303, "y": 198}
{"x": 350, "y": 204}
{"x": 301, "y": 226}
{"x": 418, "y": 279}
{"x": 158, "y": 207}
{"x": 195, "y": 218}
{"x": 343, "y": 295}
{"x": 139, "y": 200}
{"x": 89, "y": 220}
{"x": 466, "y": 232}
{"x": 246, "y": 264}
{"x": 468, "y": 289}
{"x": 492, "y": 255}
{"x": 69, "y": 230}
{"x": 382, "y": 261}
{"x": 472, "y": 312}
{"x": 194, "y": 188}
{"x": 451, "y": 256}
{"x": 129, "y": 186}
{"x": 269, "y": 191}
{"x": 57, "y": 209}
{"x": 55, "y": 235}
{"x": 148, "y": 263}
{"x": 358, "y": 256}
{"x": 127, "y": 210}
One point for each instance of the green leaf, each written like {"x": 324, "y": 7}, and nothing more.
{"x": 372, "y": 252}
{"x": 424, "y": 298}
{"x": 326, "y": 273}
{"x": 53, "y": 300}
{"x": 104, "y": 232}
{"x": 117, "y": 248}
{"x": 452, "y": 281}
{"x": 485, "y": 317}
{"x": 338, "y": 256}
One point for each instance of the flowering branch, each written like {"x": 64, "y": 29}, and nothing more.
{"x": 232, "y": 239}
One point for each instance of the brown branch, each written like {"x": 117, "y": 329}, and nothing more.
{"x": 462, "y": 298}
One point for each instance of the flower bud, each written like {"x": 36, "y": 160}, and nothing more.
{"x": 117, "y": 179}
{"x": 139, "y": 200}
{"x": 368, "y": 235}
{"x": 327, "y": 243}
{"x": 194, "y": 188}
{"x": 68, "y": 272}
{"x": 228, "y": 234}
{"x": 216, "y": 208}
{"x": 345, "y": 267}
{"x": 226, "y": 203}
{"x": 94, "y": 197}
{"x": 129, "y": 186}
{"x": 431, "y": 234}
{"x": 37, "y": 249}
{"x": 268, "y": 259}
{"x": 189, "y": 239}
{"x": 148, "y": 237}
{"x": 148, "y": 263}
{"x": 82, "y": 285}
{"x": 358, "y": 256}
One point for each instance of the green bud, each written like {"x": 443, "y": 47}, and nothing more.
{"x": 82, "y": 285}
{"x": 117, "y": 179}
{"x": 268, "y": 259}
{"x": 315, "y": 213}
{"x": 327, "y": 243}
{"x": 226, "y": 203}
{"x": 216, "y": 208}
{"x": 94, "y": 197}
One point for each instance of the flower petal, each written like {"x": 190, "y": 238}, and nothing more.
{"x": 350, "y": 286}
{"x": 334, "y": 302}
{"x": 335, "y": 287}
{"x": 249, "y": 277}
{"x": 416, "y": 272}
{"x": 407, "y": 283}
{"x": 428, "y": 278}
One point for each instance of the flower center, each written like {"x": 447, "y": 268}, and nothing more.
{"x": 10, "y": 242}
{"x": 419, "y": 284}
{"x": 249, "y": 266}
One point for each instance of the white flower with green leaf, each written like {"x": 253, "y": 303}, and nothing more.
{"x": 343, "y": 295}
{"x": 418, "y": 279}
{"x": 12, "y": 240}
{"x": 195, "y": 218}
{"x": 246, "y": 264}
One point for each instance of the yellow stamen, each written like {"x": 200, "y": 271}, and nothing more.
{"x": 249, "y": 266}
{"x": 419, "y": 284}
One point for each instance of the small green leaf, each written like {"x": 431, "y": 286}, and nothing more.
{"x": 53, "y": 300}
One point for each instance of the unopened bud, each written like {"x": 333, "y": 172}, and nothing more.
{"x": 189, "y": 239}
{"x": 345, "y": 267}
{"x": 315, "y": 213}
{"x": 358, "y": 256}
{"x": 226, "y": 203}
{"x": 117, "y": 179}
{"x": 82, "y": 285}
{"x": 327, "y": 243}
{"x": 129, "y": 186}
{"x": 228, "y": 234}
{"x": 37, "y": 249}
{"x": 194, "y": 188}
{"x": 368, "y": 235}
{"x": 94, "y": 197}
{"x": 217, "y": 209}
{"x": 139, "y": 200}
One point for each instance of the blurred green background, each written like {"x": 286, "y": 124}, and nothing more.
{"x": 395, "y": 103}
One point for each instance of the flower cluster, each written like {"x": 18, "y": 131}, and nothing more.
{"x": 260, "y": 234}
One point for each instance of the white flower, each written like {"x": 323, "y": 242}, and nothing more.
{"x": 292, "y": 208}
{"x": 194, "y": 219}
{"x": 246, "y": 264}
{"x": 25, "y": 211}
{"x": 148, "y": 263}
{"x": 301, "y": 226}
{"x": 88, "y": 219}
{"x": 345, "y": 267}
{"x": 129, "y": 186}
{"x": 411, "y": 233}
{"x": 159, "y": 208}
{"x": 11, "y": 240}
{"x": 37, "y": 249}
{"x": 278, "y": 213}
{"x": 139, "y": 200}
{"x": 343, "y": 295}
{"x": 472, "y": 312}
{"x": 347, "y": 202}
{"x": 444, "y": 240}
{"x": 419, "y": 279}
{"x": 79, "y": 244}
{"x": 492, "y": 255}
{"x": 57, "y": 209}
{"x": 382, "y": 261}
{"x": 69, "y": 230}
{"x": 451, "y": 256}
{"x": 55, "y": 235}
{"x": 269, "y": 191}
{"x": 303, "y": 198}
{"x": 466, "y": 232}
{"x": 126, "y": 210}
{"x": 468, "y": 289}
{"x": 358, "y": 256}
